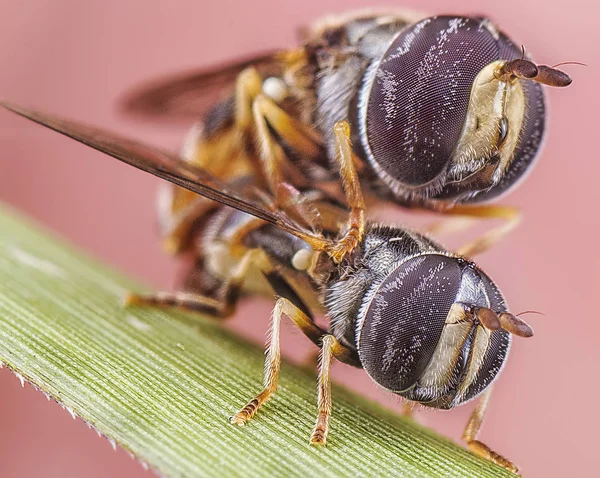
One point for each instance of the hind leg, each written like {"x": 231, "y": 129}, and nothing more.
{"x": 218, "y": 303}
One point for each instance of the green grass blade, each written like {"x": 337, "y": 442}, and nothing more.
{"x": 163, "y": 387}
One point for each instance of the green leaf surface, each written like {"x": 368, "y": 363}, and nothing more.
{"x": 163, "y": 386}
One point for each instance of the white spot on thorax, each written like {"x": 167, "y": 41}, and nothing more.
{"x": 302, "y": 259}
{"x": 275, "y": 88}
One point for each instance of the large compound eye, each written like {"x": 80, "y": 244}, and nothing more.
{"x": 404, "y": 319}
{"x": 419, "y": 97}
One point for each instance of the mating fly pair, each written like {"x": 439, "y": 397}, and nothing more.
{"x": 444, "y": 112}
{"x": 430, "y": 113}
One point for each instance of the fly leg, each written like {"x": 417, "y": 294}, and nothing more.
{"x": 269, "y": 116}
{"x": 472, "y": 430}
{"x": 354, "y": 230}
{"x": 408, "y": 409}
{"x": 221, "y": 305}
{"x": 272, "y": 367}
{"x": 331, "y": 348}
{"x": 228, "y": 143}
{"x": 224, "y": 153}
{"x": 248, "y": 86}
{"x": 273, "y": 356}
{"x": 510, "y": 216}
{"x": 273, "y": 364}
{"x": 355, "y": 224}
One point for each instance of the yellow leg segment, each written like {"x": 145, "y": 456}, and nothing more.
{"x": 221, "y": 306}
{"x": 272, "y": 368}
{"x": 319, "y": 434}
{"x": 267, "y": 113}
{"x": 330, "y": 348}
{"x": 273, "y": 360}
{"x": 510, "y": 215}
{"x": 472, "y": 430}
{"x": 248, "y": 86}
{"x": 355, "y": 225}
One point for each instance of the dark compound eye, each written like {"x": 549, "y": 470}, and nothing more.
{"x": 420, "y": 94}
{"x": 404, "y": 320}
{"x": 412, "y": 117}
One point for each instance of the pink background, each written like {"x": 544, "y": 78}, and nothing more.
{"x": 75, "y": 58}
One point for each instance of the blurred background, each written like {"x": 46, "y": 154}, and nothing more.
{"x": 76, "y": 58}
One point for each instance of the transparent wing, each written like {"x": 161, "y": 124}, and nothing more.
{"x": 162, "y": 165}
{"x": 192, "y": 94}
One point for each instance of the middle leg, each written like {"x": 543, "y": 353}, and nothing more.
{"x": 330, "y": 348}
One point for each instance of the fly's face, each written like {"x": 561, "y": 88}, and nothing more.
{"x": 435, "y": 331}
{"x": 443, "y": 115}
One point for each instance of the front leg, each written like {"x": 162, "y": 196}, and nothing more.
{"x": 273, "y": 356}
{"x": 472, "y": 430}
{"x": 355, "y": 224}
{"x": 330, "y": 348}
{"x": 272, "y": 367}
